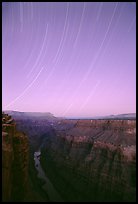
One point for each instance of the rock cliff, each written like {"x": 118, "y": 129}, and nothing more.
{"x": 92, "y": 160}
{"x": 14, "y": 161}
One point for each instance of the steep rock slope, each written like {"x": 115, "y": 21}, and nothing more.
{"x": 92, "y": 160}
{"x": 14, "y": 161}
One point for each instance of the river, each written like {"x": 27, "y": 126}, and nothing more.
{"x": 48, "y": 186}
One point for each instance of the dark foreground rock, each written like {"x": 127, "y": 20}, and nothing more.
{"x": 14, "y": 161}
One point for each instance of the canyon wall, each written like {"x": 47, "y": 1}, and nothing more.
{"x": 92, "y": 160}
{"x": 14, "y": 161}
{"x": 86, "y": 160}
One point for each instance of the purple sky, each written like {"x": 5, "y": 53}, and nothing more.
{"x": 70, "y": 59}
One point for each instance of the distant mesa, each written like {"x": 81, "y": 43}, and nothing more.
{"x": 123, "y": 116}
{"x": 128, "y": 116}
{"x": 30, "y": 115}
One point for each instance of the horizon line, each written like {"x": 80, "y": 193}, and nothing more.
{"x": 72, "y": 116}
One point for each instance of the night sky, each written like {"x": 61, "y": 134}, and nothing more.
{"x": 69, "y": 58}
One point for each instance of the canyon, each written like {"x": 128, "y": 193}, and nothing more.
{"x": 92, "y": 160}
{"x": 83, "y": 159}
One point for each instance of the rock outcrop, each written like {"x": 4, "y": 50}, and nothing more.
{"x": 92, "y": 160}
{"x": 14, "y": 161}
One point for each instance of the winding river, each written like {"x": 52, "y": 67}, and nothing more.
{"x": 48, "y": 186}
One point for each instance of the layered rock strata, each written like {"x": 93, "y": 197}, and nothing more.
{"x": 92, "y": 160}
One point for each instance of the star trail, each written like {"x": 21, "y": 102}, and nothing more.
{"x": 69, "y": 58}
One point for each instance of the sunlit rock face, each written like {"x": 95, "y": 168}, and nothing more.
{"x": 14, "y": 161}
{"x": 92, "y": 160}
